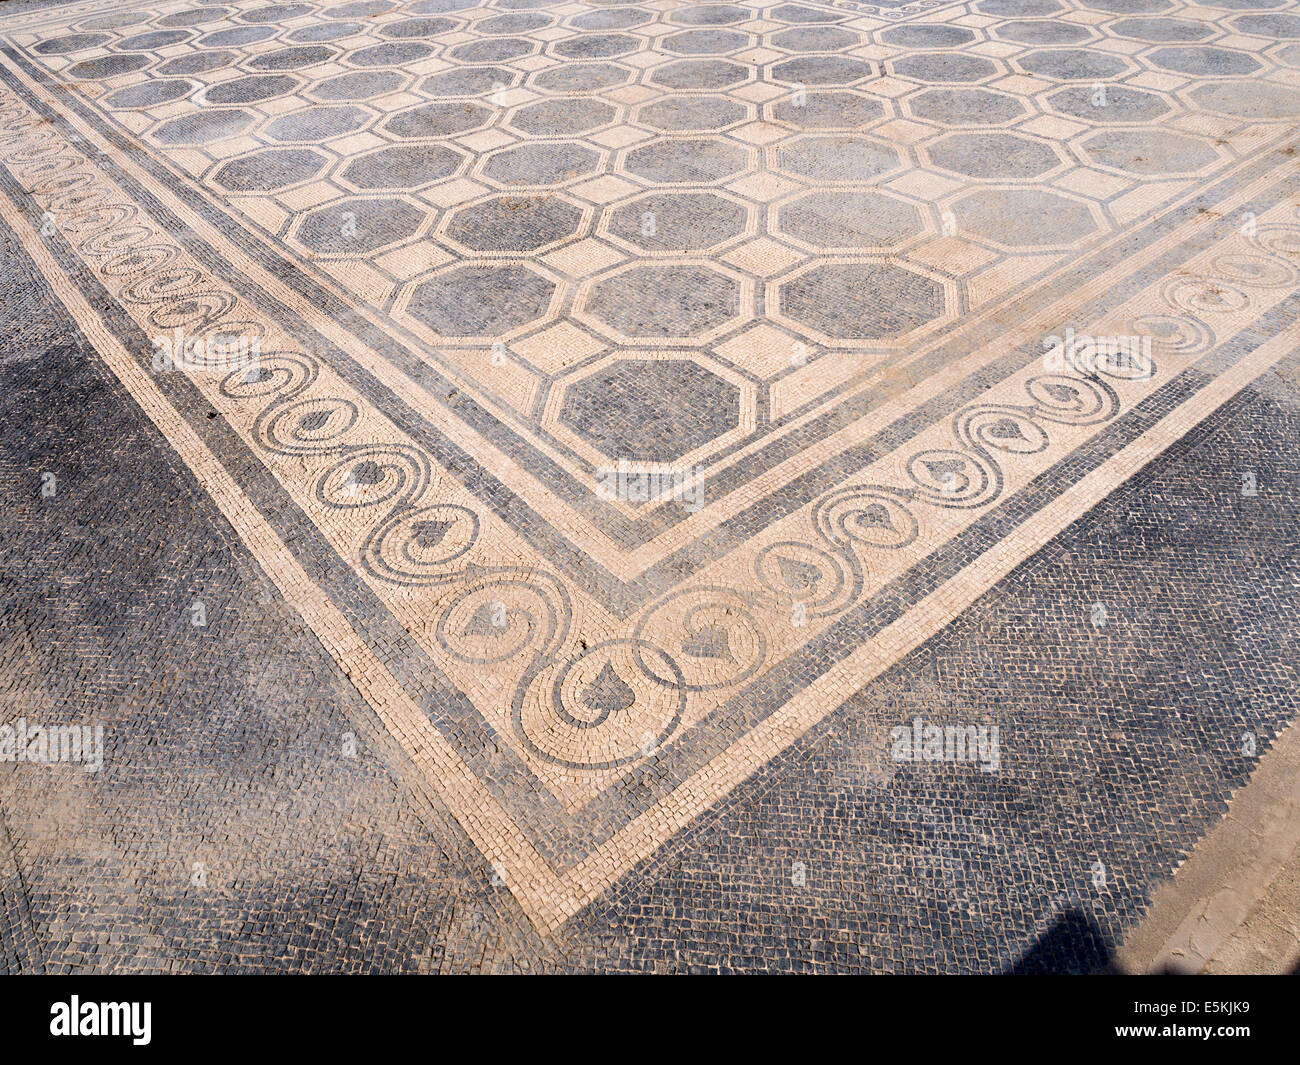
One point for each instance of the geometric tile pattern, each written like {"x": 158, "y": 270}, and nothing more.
{"x": 316, "y": 862}
{"x": 626, "y": 114}
{"x": 796, "y": 264}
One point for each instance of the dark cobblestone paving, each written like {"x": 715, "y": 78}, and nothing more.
{"x": 227, "y": 743}
{"x": 537, "y": 486}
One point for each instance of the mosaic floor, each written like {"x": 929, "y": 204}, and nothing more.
{"x": 520, "y": 484}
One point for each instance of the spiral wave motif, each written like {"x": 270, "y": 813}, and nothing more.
{"x": 426, "y": 545}
{"x": 950, "y": 478}
{"x": 593, "y": 710}
{"x": 866, "y": 517}
{"x": 374, "y": 475}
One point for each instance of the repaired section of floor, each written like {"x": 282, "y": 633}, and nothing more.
{"x": 564, "y": 456}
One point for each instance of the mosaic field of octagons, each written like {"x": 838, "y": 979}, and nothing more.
{"x": 757, "y": 202}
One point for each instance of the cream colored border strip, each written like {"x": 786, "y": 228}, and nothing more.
{"x": 59, "y": 17}
{"x": 490, "y": 828}
{"x": 925, "y": 619}
{"x": 629, "y": 565}
{"x": 546, "y": 898}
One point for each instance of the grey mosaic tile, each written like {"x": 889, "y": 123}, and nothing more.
{"x": 629, "y": 386}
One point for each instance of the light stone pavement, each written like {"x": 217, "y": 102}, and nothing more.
{"x": 522, "y": 484}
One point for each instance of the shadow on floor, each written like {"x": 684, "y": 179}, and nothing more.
{"x": 1074, "y": 946}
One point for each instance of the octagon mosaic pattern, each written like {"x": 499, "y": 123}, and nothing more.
{"x": 621, "y": 365}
